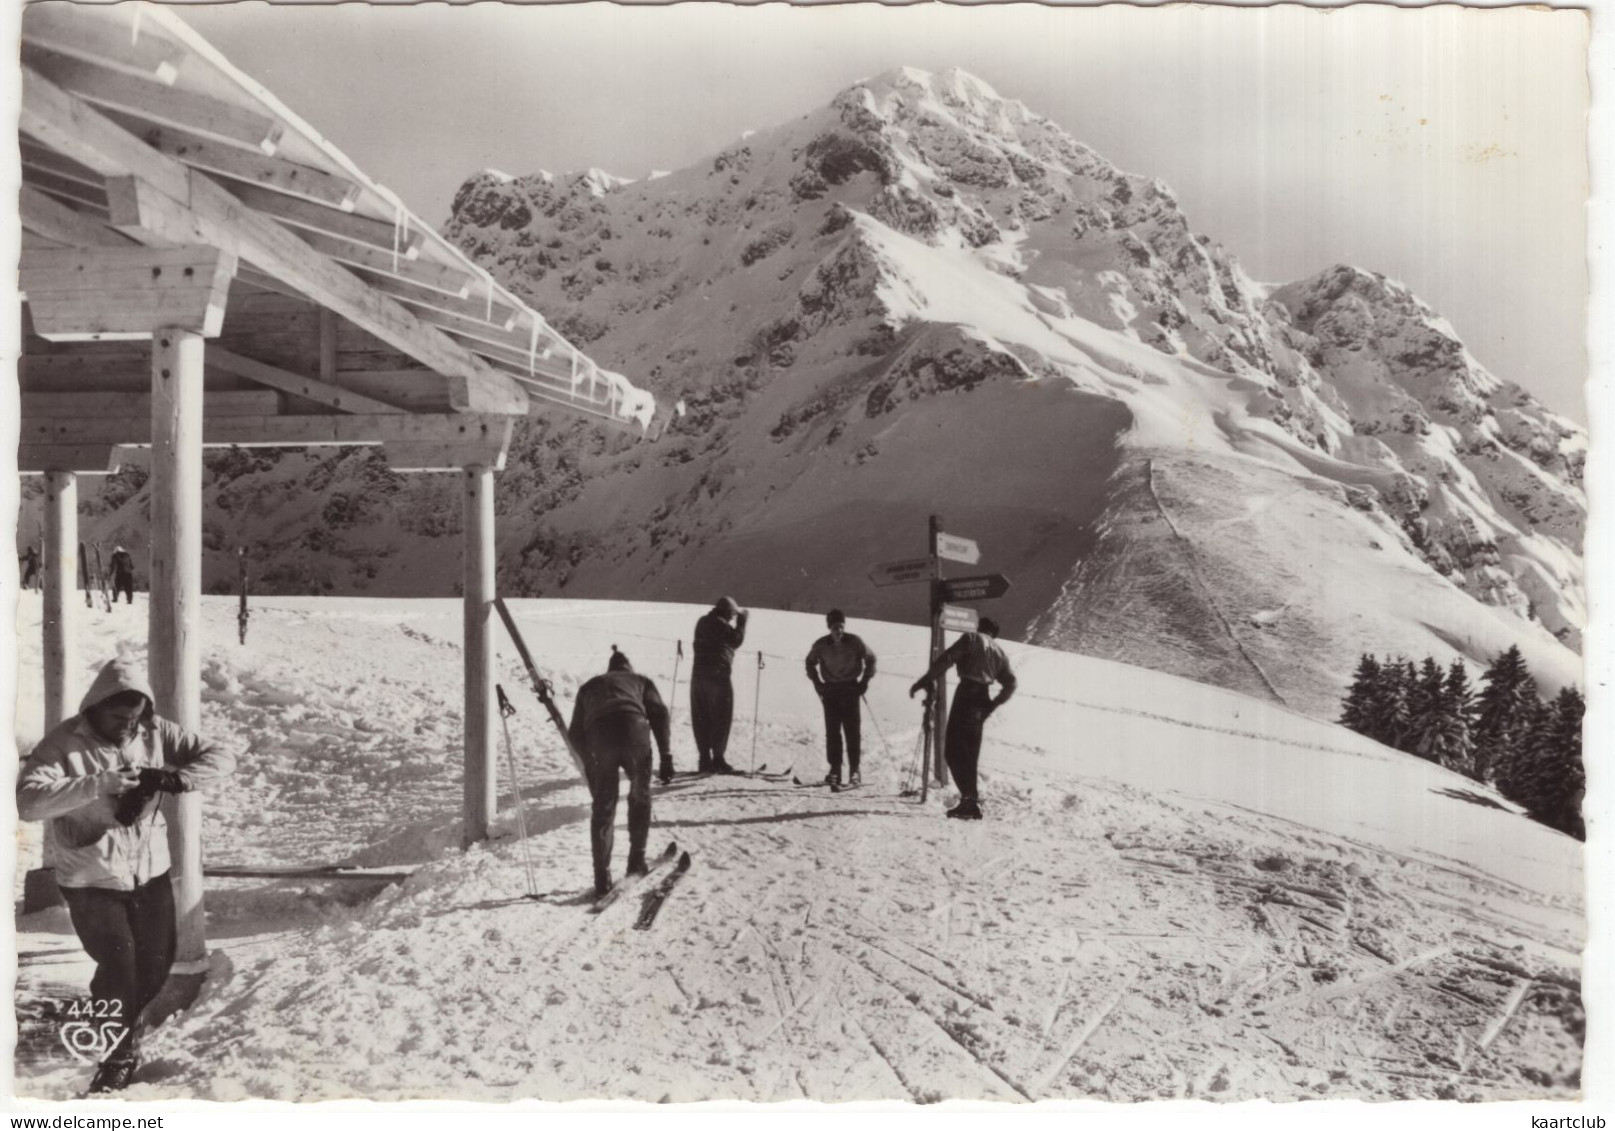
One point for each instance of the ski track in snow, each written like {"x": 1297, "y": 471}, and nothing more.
{"x": 1097, "y": 937}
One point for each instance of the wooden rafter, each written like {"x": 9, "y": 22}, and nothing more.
{"x": 85, "y": 406}
{"x": 313, "y": 430}
{"x": 438, "y": 276}
{"x": 155, "y": 102}
{"x": 49, "y": 217}
{"x": 154, "y": 190}
{"x": 404, "y": 241}
{"x": 275, "y": 173}
{"x": 332, "y": 396}
{"x": 475, "y": 309}
{"x": 148, "y": 54}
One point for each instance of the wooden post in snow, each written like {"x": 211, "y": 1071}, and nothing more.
{"x": 481, "y": 783}
{"x": 59, "y": 615}
{"x": 939, "y": 709}
{"x": 175, "y": 605}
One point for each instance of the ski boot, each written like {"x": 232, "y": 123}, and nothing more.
{"x": 722, "y": 767}
{"x": 833, "y": 778}
{"x": 114, "y": 1075}
{"x": 636, "y": 865}
{"x": 665, "y": 772}
{"x": 855, "y": 779}
{"x": 966, "y": 810}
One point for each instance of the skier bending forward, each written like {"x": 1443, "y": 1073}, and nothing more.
{"x": 981, "y": 663}
{"x": 612, "y": 723}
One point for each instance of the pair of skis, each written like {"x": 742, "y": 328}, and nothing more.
{"x": 835, "y": 787}
{"x": 651, "y": 904}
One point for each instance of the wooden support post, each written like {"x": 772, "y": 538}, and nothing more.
{"x": 60, "y": 614}
{"x": 939, "y": 710}
{"x": 176, "y": 597}
{"x": 481, "y": 784}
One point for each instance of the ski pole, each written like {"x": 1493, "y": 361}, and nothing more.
{"x": 505, "y": 711}
{"x": 755, "y": 700}
{"x": 878, "y": 731}
{"x": 672, "y": 702}
{"x": 925, "y": 764}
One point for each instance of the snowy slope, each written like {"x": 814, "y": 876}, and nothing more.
{"x": 1180, "y": 892}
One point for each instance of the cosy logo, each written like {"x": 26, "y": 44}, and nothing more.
{"x": 91, "y": 1041}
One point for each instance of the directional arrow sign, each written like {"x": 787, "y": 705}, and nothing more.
{"x": 958, "y": 618}
{"x": 982, "y": 588}
{"x": 957, "y": 549}
{"x": 900, "y": 573}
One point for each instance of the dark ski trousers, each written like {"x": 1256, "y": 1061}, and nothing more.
{"x": 124, "y": 586}
{"x": 618, "y": 741}
{"x": 841, "y": 716}
{"x": 962, "y": 744}
{"x": 131, "y": 935}
{"x": 712, "y": 710}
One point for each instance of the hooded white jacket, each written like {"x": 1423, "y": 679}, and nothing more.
{"x": 58, "y": 784}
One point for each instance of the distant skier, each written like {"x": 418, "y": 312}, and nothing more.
{"x": 123, "y": 575}
{"x": 613, "y": 721}
{"x": 30, "y": 566}
{"x": 712, "y": 695}
{"x": 96, "y": 778}
{"x": 980, "y": 663}
{"x": 841, "y": 666}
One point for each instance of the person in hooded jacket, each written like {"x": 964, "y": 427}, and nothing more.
{"x": 712, "y": 695}
{"x": 613, "y": 720}
{"x": 97, "y": 780}
{"x": 123, "y": 575}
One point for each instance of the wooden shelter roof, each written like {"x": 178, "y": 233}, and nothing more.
{"x": 335, "y": 314}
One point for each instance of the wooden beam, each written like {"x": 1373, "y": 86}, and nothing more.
{"x": 271, "y": 284}
{"x": 50, "y": 218}
{"x": 441, "y": 457}
{"x": 175, "y": 609}
{"x": 152, "y": 101}
{"x": 35, "y": 156}
{"x": 474, "y": 311}
{"x": 211, "y": 215}
{"x": 424, "y": 272}
{"x": 328, "y": 350}
{"x": 88, "y": 406}
{"x": 480, "y": 782}
{"x": 332, "y": 396}
{"x": 85, "y": 459}
{"x": 66, "y": 188}
{"x": 89, "y": 294}
{"x": 308, "y": 430}
{"x": 148, "y": 55}
{"x": 381, "y": 235}
{"x": 249, "y": 166}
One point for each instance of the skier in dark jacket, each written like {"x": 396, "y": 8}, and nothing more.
{"x": 712, "y": 696}
{"x": 123, "y": 575}
{"x": 96, "y": 778}
{"x": 613, "y": 721}
{"x": 980, "y": 663}
{"x": 841, "y": 666}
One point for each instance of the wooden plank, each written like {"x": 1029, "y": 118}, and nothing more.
{"x": 219, "y": 219}
{"x": 271, "y": 284}
{"x": 328, "y": 328}
{"x": 84, "y": 459}
{"x": 474, "y": 310}
{"x": 442, "y": 457}
{"x": 313, "y": 430}
{"x": 49, "y": 217}
{"x": 243, "y": 165}
{"x": 148, "y": 55}
{"x": 450, "y": 280}
{"x": 84, "y": 405}
{"x": 65, "y": 188}
{"x": 96, "y": 293}
{"x": 381, "y": 235}
{"x": 151, "y": 101}
{"x": 321, "y": 392}
{"x": 415, "y": 390}
{"x": 36, "y": 156}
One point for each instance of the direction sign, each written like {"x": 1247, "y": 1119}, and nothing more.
{"x": 959, "y": 618}
{"x": 957, "y": 549}
{"x": 901, "y": 573}
{"x": 982, "y": 588}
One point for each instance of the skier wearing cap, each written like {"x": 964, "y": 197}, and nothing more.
{"x": 96, "y": 778}
{"x": 123, "y": 575}
{"x": 712, "y": 697}
{"x": 840, "y": 666}
{"x": 613, "y": 721}
{"x": 981, "y": 662}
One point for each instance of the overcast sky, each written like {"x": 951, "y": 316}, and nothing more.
{"x": 1444, "y": 147}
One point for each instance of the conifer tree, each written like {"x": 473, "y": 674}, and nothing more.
{"x": 1401, "y": 688}
{"x": 1460, "y": 702}
{"x": 1548, "y": 777}
{"x": 1357, "y": 711}
{"x": 1430, "y": 728}
{"x": 1501, "y": 711}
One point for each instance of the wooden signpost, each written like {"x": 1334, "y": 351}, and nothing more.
{"x": 944, "y": 615}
